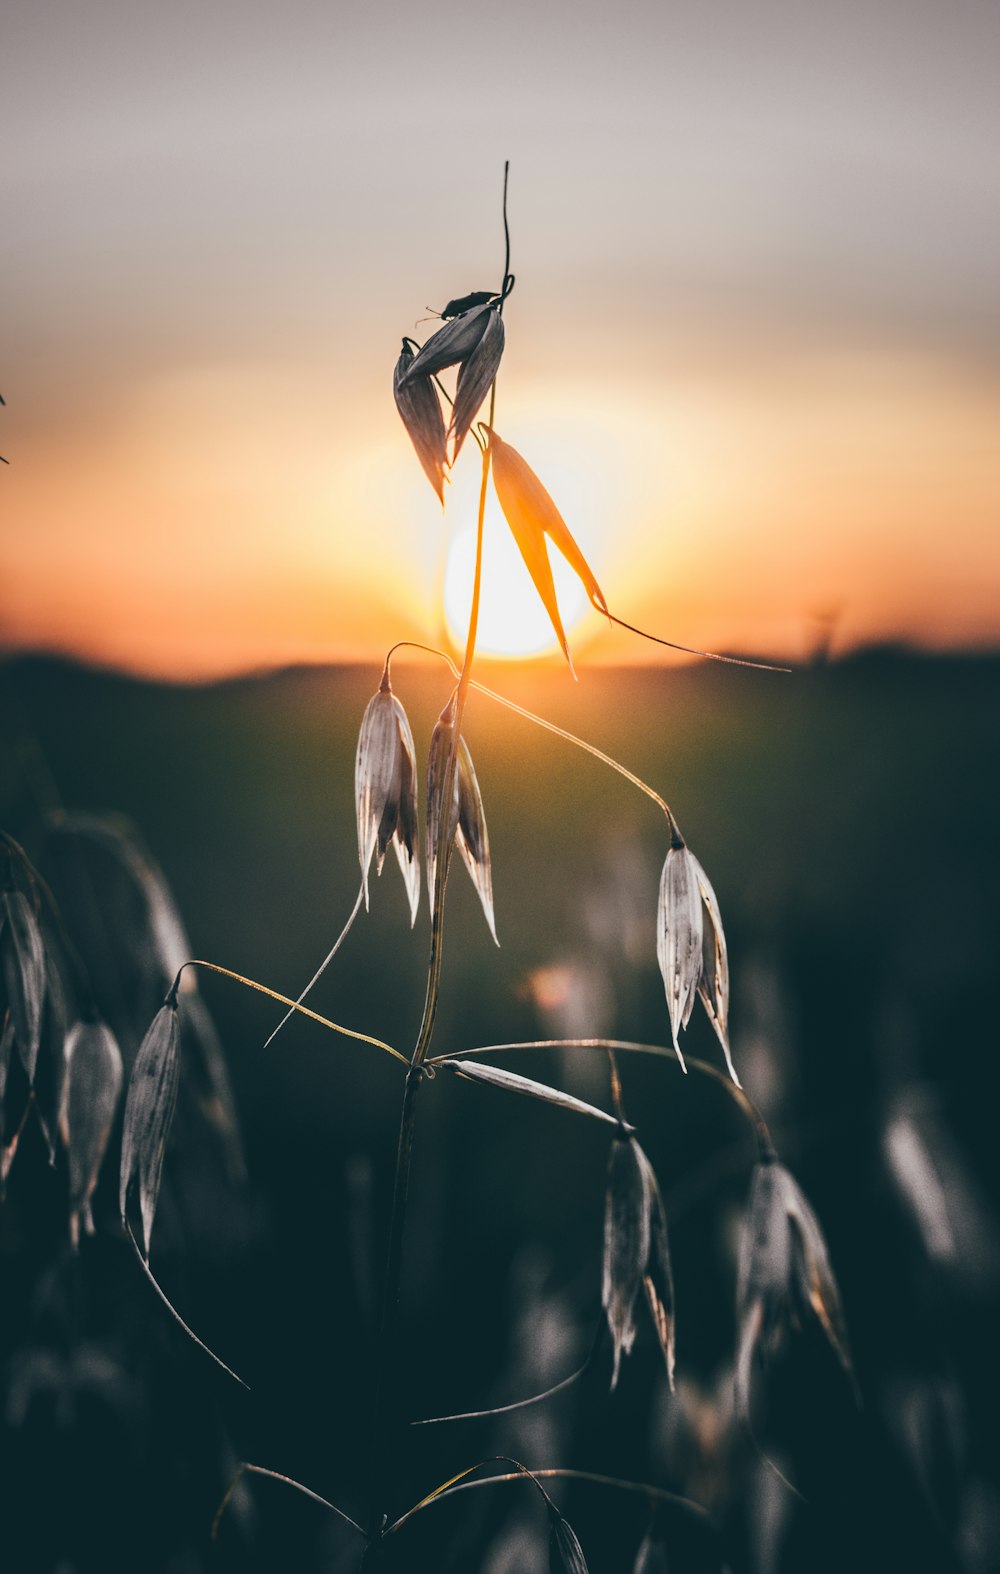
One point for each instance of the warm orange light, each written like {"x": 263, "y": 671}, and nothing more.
{"x": 512, "y": 620}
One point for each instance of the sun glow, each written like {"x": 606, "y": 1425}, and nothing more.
{"x": 513, "y": 624}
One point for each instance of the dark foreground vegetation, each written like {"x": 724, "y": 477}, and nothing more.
{"x": 848, "y": 815}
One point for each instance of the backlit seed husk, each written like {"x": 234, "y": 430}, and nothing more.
{"x": 22, "y": 962}
{"x": 90, "y": 1099}
{"x": 475, "y": 378}
{"x": 385, "y": 790}
{"x": 713, "y": 984}
{"x": 691, "y": 949}
{"x": 522, "y": 494}
{"x": 420, "y": 411}
{"x": 451, "y": 345}
{"x": 679, "y": 938}
{"x": 533, "y": 516}
{"x": 149, "y": 1111}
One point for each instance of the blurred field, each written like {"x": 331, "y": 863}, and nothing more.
{"x": 847, "y": 818}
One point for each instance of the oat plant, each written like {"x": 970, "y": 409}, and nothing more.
{"x": 784, "y": 1278}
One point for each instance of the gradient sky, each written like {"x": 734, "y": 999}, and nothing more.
{"x": 754, "y": 349}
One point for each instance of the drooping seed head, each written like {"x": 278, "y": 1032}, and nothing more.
{"x": 420, "y": 410}
{"x": 636, "y": 1253}
{"x": 691, "y": 948}
{"x": 533, "y": 516}
{"x": 385, "y": 792}
{"x": 451, "y": 345}
{"x": 784, "y": 1273}
{"x": 90, "y": 1099}
{"x": 658, "y": 1279}
{"x": 626, "y": 1244}
{"x": 474, "y": 380}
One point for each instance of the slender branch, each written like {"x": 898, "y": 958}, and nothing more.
{"x": 627, "y": 1046}
{"x": 175, "y": 1314}
{"x": 322, "y": 966}
{"x": 533, "y": 1399}
{"x": 548, "y": 726}
{"x": 709, "y": 655}
{"x": 654, "y": 1494}
{"x": 521, "y": 1473}
{"x": 251, "y": 983}
{"x": 246, "y": 1468}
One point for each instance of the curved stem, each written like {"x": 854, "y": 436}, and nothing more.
{"x": 709, "y": 655}
{"x": 275, "y": 1475}
{"x": 533, "y": 1399}
{"x": 548, "y": 726}
{"x": 251, "y": 983}
{"x": 322, "y": 966}
{"x": 654, "y": 1494}
{"x": 627, "y": 1046}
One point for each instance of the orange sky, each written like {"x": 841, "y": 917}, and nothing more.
{"x": 752, "y": 353}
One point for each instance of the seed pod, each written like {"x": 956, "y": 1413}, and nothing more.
{"x": 691, "y": 948}
{"x": 565, "y": 1552}
{"x": 784, "y": 1272}
{"x": 533, "y": 516}
{"x": 679, "y": 938}
{"x": 467, "y": 821}
{"x": 658, "y": 1279}
{"x": 636, "y": 1252}
{"x": 626, "y": 1244}
{"x": 22, "y": 964}
{"x": 420, "y": 411}
{"x": 149, "y": 1110}
{"x": 474, "y": 380}
{"x": 451, "y": 345}
{"x": 385, "y": 792}
{"x": 90, "y": 1099}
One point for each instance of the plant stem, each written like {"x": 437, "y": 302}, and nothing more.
{"x": 386, "y": 1420}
